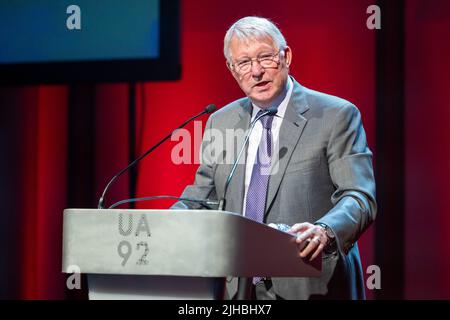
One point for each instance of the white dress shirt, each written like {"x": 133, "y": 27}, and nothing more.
{"x": 255, "y": 137}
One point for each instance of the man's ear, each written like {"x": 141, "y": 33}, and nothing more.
{"x": 235, "y": 76}
{"x": 288, "y": 56}
{"x": 228, "y": 65}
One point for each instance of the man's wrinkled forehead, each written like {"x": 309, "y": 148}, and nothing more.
{"x": 241, "y": 45}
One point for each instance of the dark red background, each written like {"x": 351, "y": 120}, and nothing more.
{"x": 333, "y": 51}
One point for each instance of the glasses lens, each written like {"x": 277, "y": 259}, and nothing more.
{"x": 265, "y": 60}
{"x": 244, "y": 66}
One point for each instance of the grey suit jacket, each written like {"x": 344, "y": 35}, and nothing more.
{"x": 324, "y": 175}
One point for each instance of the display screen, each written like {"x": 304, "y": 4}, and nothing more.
{"x": 83, "y": 35}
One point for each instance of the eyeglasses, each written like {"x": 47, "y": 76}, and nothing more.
{"x": 265, "y": 60}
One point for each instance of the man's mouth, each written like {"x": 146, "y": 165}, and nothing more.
{"x": 261, "y": 84}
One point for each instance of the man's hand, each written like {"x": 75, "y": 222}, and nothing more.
{"x": 310, "y": 239}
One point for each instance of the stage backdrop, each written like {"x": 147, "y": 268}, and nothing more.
{"x": 427, "y": 149}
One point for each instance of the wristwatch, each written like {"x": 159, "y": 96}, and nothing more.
{"x": 328, "y": 231}
{"x": 331, "y": 245}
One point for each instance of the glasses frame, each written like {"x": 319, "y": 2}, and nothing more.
{"x": 235, "y": 68}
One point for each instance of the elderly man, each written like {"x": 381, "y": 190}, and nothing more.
{"x": 322, "y": 186}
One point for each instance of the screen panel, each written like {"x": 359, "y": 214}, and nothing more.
{"x": 51, "y": 41}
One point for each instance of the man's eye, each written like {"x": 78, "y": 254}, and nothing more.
{"x": 265, "y": 57}
{"x": 243, "y": 63}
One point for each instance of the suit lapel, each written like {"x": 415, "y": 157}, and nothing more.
{"x": 290, "y": 133}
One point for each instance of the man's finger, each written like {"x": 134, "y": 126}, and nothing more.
{"x": 303, "y": 236}
{"x": 317, "y": 252}
{"x": 299, "y": 227}
{"x": 309, "y": 248}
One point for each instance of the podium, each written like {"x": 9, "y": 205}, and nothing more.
{"x": 174, "y": 254}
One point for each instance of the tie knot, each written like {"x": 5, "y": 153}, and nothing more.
{"x": 266, "y": 120}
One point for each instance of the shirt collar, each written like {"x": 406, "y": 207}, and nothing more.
{"x": 281, "y": 102}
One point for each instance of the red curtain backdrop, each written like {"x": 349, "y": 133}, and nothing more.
{"x": 44, "y": 177}
{"x": 111, "y": 139}
{"x": 427, "y": 149}
{"x": 333, "y": 51}
{"x": 44, "y": 191}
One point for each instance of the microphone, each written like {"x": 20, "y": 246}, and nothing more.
{"x": 269, "y": 112}
{"x": 209, "y": 109}
{"x": 206, "y": 202}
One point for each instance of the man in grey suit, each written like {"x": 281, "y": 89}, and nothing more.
{"x": 320, "y": 180}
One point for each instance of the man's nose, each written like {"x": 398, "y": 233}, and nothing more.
{"x": 257, "y": 70}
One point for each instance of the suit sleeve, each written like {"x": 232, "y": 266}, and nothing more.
{"x": 203, "y": 187}
{"x": 350, "y": 165}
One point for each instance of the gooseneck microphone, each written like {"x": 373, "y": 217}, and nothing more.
{"x": 209, "y": 109}
{"x": 269, "y": 112}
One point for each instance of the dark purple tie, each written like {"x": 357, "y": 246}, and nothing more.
{"x": 257, "y": 190}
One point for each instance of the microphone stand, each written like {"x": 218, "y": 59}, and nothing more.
{"x": 209, "y": 109}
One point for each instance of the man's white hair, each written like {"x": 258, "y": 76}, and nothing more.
{"x": 253, "y": 28}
